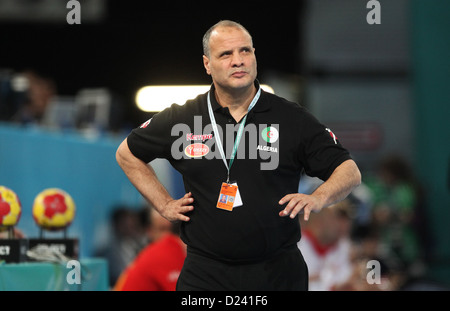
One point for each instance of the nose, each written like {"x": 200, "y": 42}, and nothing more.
{"x": 237, "y": 60}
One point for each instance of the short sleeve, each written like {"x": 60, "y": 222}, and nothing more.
{"x": 152, "y": 138}
{"x": 321, "y": 152}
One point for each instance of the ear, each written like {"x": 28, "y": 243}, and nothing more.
{"x": 206, "y": 64}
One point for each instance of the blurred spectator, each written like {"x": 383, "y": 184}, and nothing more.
{"x": 12, "y": 93}
{"x": 360, "y": 197}
{"x": 366, "y": 249}
{"x": 399, "y": 215}
{"x": 389, "y": 279}
{"x": 157, "y": 226}
{"x": 158, "y": 266}
{"x": 39, "y": 90}
{"x": 326, "y": 246}
{"x": 128, "y": 238}
{"x": 15, "y": 234}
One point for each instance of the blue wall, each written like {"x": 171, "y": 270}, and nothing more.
{"x": 32, "y": 159}
{"x": 431, "y": 67}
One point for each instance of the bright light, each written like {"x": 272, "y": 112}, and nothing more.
{"x": 267, "y": 88}
{"x": 157, "y": 98}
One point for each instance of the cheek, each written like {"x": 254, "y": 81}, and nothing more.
{"x": 253, "y": 63}
{"x": 217, "y": 69}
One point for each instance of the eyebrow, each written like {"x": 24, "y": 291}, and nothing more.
{"x": 247, "y": 47}
{"x": 225, "y": 52}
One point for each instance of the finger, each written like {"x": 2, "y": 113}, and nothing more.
{"x": 186, "y": 201}
{"x": 298, "y": 208}
{"x": 291, "y": 205}
{"x": 307, "y": 211}
{"x": 301, "y": 206}
{"x": 183, "y": 217}
{"x": 286, "y": 198}
{"x": 181, "y": 213}
{"x": 186, "y": 209}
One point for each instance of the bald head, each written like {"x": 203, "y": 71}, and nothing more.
{"x": 221, "y": 24}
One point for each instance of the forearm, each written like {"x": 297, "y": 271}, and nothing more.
{"x": 339, "y": 185}
{"x": 143, "y": 177}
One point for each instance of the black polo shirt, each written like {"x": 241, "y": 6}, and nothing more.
{"x": 280, "y": 139}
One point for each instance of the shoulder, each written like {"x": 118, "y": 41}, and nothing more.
{"x": 162, "y": 121}
{"x": 292, "y": 110}
{"x": 273, "y": 99}
{"x": 191, "y": 107}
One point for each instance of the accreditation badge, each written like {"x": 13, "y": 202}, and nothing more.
{"x": 229, "y": 197}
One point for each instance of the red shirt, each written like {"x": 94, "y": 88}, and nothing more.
{"x": 156, "y": 268}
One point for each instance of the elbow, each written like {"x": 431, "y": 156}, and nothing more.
{"x": 118, "y": 157}
{"x": 352, "y": 174}
{"x": 120, "y": 153}
{"x": 357, "y": 177}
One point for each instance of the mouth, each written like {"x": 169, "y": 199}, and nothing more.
{"x": 238, "y": 74}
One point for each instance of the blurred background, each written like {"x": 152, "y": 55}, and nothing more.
{"x": 67, "y": 100}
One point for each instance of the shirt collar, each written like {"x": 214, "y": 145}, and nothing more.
{"x": 261, "y": 105}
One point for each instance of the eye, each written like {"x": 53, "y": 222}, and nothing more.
{"x": 226, "y": 53}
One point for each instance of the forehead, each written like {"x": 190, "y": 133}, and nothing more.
{"x": 229, "y": 37}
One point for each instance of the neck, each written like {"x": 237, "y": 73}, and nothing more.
{"x": 237, "y": 101}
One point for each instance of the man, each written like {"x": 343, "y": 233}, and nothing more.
{"x": 158, "y": 265}
{"x": 250, "y": 242}
{"x": 326, "y": 246}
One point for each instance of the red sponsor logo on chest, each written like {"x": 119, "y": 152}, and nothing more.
{"x": 196, "y": 150}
